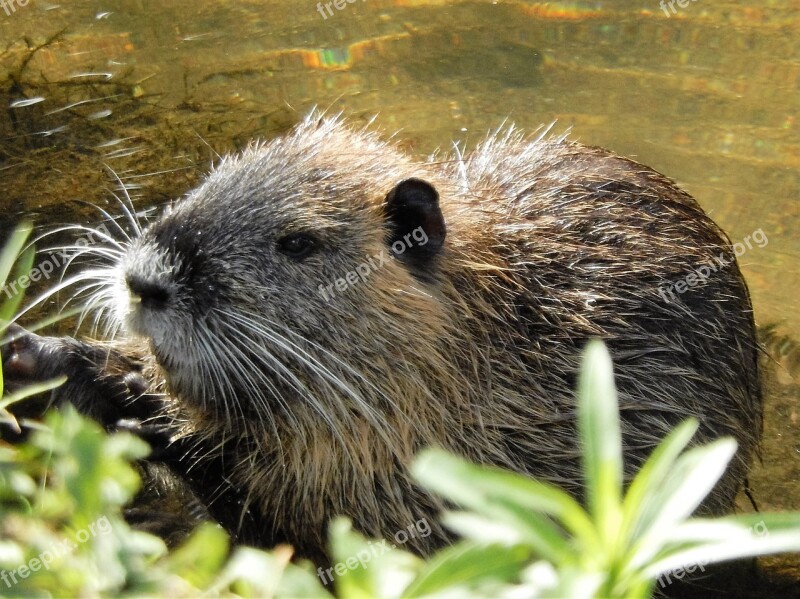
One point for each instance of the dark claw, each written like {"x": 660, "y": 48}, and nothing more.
{"x": 29, "y": 358}
{"x": 20, "y": 354}
{"x": 12, "y": 332}
{"x": 158, "y": 437}
{"x": 136, "y": 383}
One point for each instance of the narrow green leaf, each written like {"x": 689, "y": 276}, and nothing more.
{"x": 735, "y": 547}
{"x": 763, "y": 524}
{"x": 693, "y": 476}
{"x": 47, "y": 321}
{"x": 480, "y": 529}
{"x": 536, "y": 532}
{"x": 13, "y": 249}
{"x": 344, "y": 545}
{"x": 469, "y": 566}
{"x": 598, "y": 420}
{"x": 488, "y": 491}
{"x": 642, "y": 588}
{"x": 8, "y": 258}
{"x": 30, "y": 391}
{"x": 574, "y": 583}
{"x": 636, "y": 519}
{"x": 22, "y": 267}
{"x": 713, "y": 530}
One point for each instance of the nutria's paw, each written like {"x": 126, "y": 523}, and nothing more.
{"x": 29, "y": 358}
{"x": 18, "y": 359}
{"x": 102, "y": 384}
{"x": 158, "y": 437}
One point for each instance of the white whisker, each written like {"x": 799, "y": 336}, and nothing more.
{"x": 128, "y": 208}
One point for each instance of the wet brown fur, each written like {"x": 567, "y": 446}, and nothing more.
{"x": 549, "y": 243}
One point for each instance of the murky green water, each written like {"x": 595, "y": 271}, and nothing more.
{"x": 708, "y": 95}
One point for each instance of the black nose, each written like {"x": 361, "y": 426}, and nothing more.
{"x": 151, "y": 293}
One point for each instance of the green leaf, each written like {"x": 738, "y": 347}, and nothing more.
{"x": 256, "y": 574}
{"x": 714, "y": 530}
{"x": 598, "y": 420}
{"x": 30, "y": 391}
{"x": 579, "y": 584}
{"x": 367, "y": 569}
{"x": 93, "y": 468}
{"x": 470, "y": 565}
{"x": 481, "y": 529}
{"x": 345, "y": 544}
{"x": 22, "y": 267}
{"x": 9, "y": 257}
{"x": 535, "y": 532}
{"x": 730, "y": 538}
{"x": 506, "y": 497}
{"x": 200, "y": 558}
{"x": 637, "y": 515}
{"x": 35, "y": 389}
{"x": 13, "y": 249}
{"x": 693, "y": 476}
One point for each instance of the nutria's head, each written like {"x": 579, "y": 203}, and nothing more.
{"x": 256, "y": 288}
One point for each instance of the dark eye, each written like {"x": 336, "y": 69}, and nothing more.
{"x": 297, "y": 245}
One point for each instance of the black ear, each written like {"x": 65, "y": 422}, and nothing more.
{"x": 416, "y": 224}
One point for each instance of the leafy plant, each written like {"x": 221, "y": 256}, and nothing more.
{"x": 62, "y": 531}
{"x": 619, "y": 546}
{"x": 16, "y": 261}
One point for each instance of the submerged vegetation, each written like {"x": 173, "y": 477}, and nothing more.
{"x": 63, "y": 493}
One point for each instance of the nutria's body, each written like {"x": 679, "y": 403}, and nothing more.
{"x": 310, "y": 397}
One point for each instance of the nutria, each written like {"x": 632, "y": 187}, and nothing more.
{"x": 298, "y": 383}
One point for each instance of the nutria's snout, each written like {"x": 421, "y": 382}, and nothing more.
{"x": 152, "y": 294}
{"x": 148, "y": 292}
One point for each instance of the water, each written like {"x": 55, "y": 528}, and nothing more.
{"x": 707, "y": 94}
